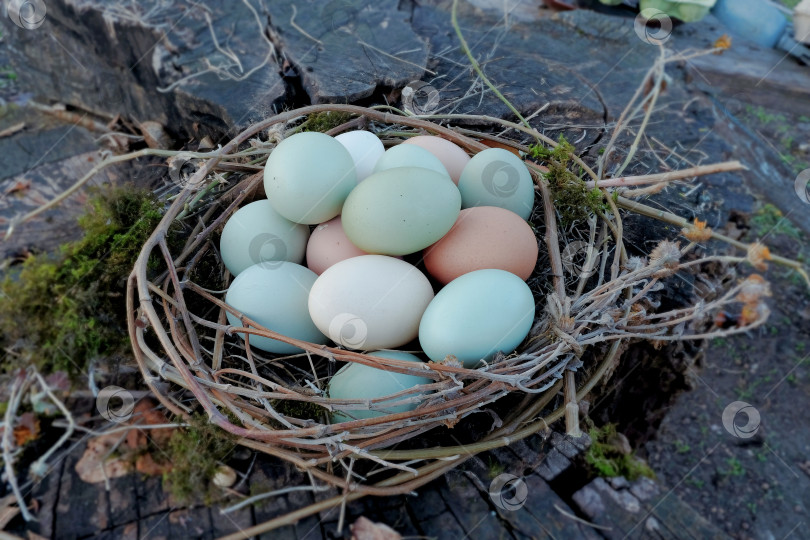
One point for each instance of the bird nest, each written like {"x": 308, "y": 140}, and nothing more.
{"x": 591, "y": 301}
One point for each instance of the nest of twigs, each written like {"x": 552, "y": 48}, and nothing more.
{"x": 278, "y": 405}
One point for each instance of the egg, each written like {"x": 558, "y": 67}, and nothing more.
{"x": 370, "y": 302}
{"x": 401, "y": 211}
{"x": 275, "y": 297}
{"x": 452, "y": 156}
{"x": 328, "y": 244}
{"x": 497, "y": 177}
{"x": 308, "y": 177}
{"x": 476, "y": 315}
{"x": 365, "y": 149}
{"x": 483, "y": 237}
{"x": 256, "y": 233}
{"x": 358, "y": 381}
{"x": 409, "y": 155}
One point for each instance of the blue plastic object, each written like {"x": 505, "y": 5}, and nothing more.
{"x": 756, "y": 20}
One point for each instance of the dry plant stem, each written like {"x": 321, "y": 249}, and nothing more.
{"x": 626, "y": 181}
{"x": 668, "y": 217}
{"x": 18, "y": 390}
{"x": 39, "y": 467}
{"x": 477, "y": 67}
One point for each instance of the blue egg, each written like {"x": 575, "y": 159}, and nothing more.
{"x": 476, "y": 315}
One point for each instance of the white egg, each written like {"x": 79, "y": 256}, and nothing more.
{"x": 365, "y": 149}
{"x": 256, "y": 234}
{"x": 370, "y": 302}
{"x": 275, "y": 296}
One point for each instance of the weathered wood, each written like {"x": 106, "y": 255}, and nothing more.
{"x": 642, "y": 509}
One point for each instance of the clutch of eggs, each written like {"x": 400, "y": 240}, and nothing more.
{"x": 375, "y": 249}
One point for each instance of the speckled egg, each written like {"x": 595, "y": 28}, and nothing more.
{"x": 401, "y": 211}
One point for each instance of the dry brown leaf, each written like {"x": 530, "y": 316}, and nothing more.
{"x": 92, "y": 466}
{"x": 26, "y": 430}
{"x": 365, "y": 529}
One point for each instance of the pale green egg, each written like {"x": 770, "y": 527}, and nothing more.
{"x": 497, "y": 177}
{"x": 257, "y": 234}
{"x": 308, "y": 177}
{"x": 400, "y": 211}
{"x": 358, "y": 381}
{"x": 476, "y": 315}
{"x": 275, "y": 296}
{"x": 409, "y": 155}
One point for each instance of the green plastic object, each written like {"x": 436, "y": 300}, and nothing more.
{"x": 685, "y": 10}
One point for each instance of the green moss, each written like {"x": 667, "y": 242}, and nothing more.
{"x": 61, "y": 310}
{"x": 324, "y": 121}
{"x": 195, "y": 453}
{"x": 608, "y": 460}
{"x": 769, "y": 219}
{"x": 298, "y": 409}
{"x": 572, "y": 197}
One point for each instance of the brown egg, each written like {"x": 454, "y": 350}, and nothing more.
{"x": 328, "y": 245}
{"x": 452, "y": 156}
{"x": 483, "y": 237}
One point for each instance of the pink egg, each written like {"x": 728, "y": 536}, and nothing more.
{"x": 328, "y": 245}
{"x": 452, "y": 156}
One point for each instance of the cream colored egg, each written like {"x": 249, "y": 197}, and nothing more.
{"x": 370, "y": 302}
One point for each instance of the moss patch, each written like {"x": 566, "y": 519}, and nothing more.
{"x": 195, "y": 453}
{"x": 60, "y": 310}
{"x": 572, "y": 197}
{"x": 607, "y": 459}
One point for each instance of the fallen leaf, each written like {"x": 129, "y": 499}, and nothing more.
{"x": 146, "y": 464}
{"x": 26, "y": 430}
{"x": 365, "y": 529}
{"x": 94, "y": 463}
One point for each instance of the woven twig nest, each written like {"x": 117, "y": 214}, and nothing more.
{"x": 180, "y": 333}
